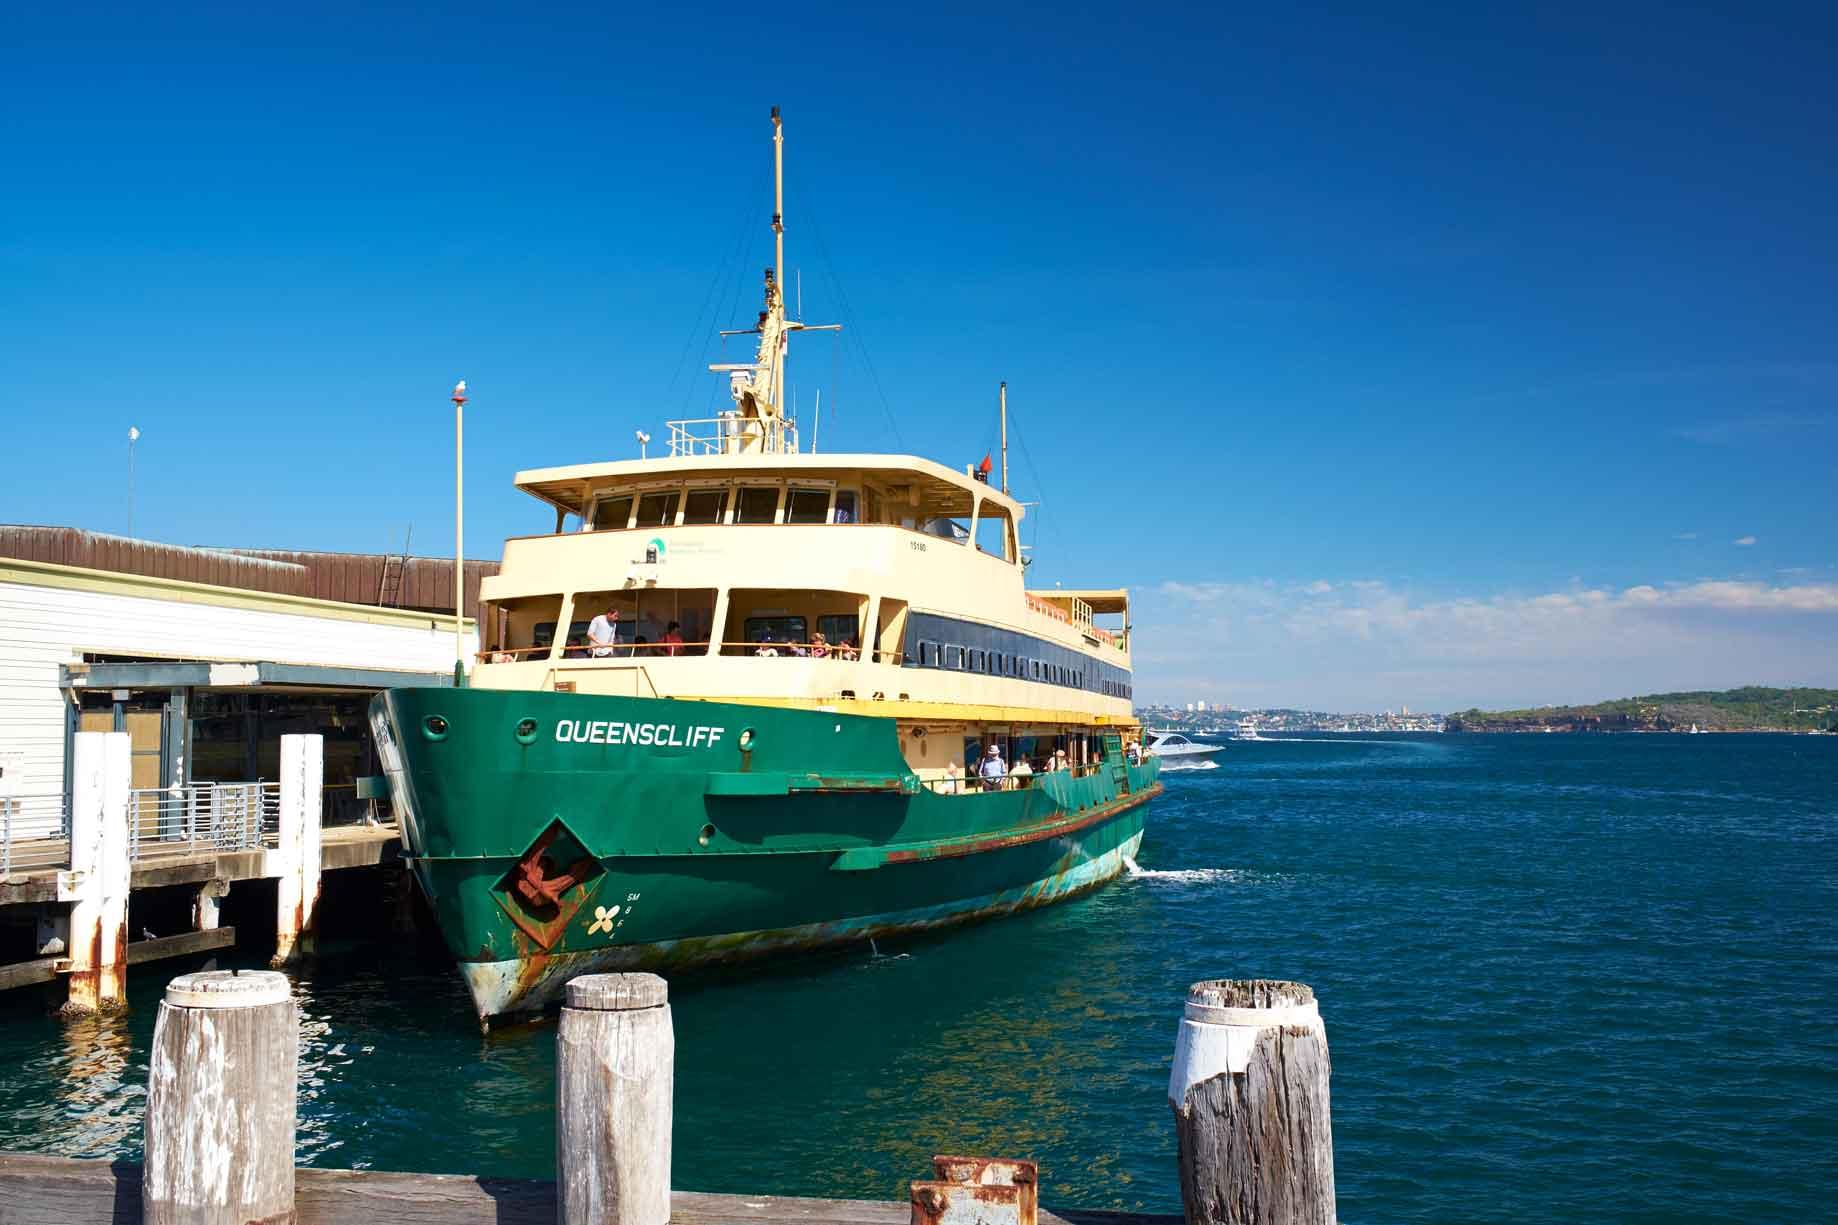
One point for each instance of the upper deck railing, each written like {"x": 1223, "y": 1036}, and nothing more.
{"x": 732, "y": 434}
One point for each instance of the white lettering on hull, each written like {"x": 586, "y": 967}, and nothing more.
{"x": 650, "y": 735}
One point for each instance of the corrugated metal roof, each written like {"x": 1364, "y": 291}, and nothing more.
{"x": 425, "y": 583}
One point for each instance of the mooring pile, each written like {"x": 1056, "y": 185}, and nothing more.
{"x": 1249, "y": 1090}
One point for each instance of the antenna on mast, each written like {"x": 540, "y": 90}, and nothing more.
{"x": 778, "y": 197}
{"x": 1003, "y": 397}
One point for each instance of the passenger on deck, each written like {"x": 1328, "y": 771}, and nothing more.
{"x": 992, "y": 768}
{"x": 1023, "y": 773}
{"x": 603, "y": 632}
{"x": 820, "y": 649}
{"x": 954, "y": 779}
{"x": 641, "y": 645}
{"x": 847, "y": 650}
{"x": 673, "y": 639}
{"x": 1058, "y": 763}
{"x": 766, "y": 649}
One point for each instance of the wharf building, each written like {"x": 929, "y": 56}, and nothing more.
{"x": 205, "y": 657}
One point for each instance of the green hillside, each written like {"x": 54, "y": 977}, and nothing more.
{"x": 1733, "y": 710}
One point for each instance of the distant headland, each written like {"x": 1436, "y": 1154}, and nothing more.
{"x": 1750, "y": 709}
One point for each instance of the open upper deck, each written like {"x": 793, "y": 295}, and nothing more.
{"x": 897, "y": 489}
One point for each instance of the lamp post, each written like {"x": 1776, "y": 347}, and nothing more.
{"x": 459, "y": 534}
{"x": 133, "y": 437}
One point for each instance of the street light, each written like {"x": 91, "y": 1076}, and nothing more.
{"x": 459, "y": 534}
{"x": 133, "y": 437}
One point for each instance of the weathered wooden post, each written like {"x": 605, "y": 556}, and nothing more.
{"x": 220, "y": 1101}
{"x": 295, "y": 862}
{"x": 1250, "y": 1097}
{"x": 615, "y": 1074}
{"x": 100, "y": 874}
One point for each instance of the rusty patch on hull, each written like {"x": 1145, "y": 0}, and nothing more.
{"x": 534, "y": 979}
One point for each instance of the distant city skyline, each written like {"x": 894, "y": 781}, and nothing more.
{"x": 1463, "y": 356}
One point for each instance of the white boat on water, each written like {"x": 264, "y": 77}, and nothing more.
{"x": 1172, "y": 747}
{"x": 1247, "y": 729}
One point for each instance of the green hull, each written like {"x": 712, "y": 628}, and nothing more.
{"x": 562, "y": 834}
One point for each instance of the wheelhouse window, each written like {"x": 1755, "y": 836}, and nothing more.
{"x": 657, "y": 509}
{"x": 611, "y": 514}
{"x": 704, "y": 506}
{"x": 807, "y": 506}
{"x": 757, "y": 504}
{"x": 846, "y": 510}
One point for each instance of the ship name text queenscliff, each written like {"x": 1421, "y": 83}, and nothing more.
{"x": 658, "y": 735}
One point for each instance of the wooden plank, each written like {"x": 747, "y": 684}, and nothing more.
{"x": 30, "y": 973}
{"x": 180, "y": 945}
{"x": 37, "y": 1190}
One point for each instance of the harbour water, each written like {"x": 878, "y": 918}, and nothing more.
{"x": 1564, "y": 978}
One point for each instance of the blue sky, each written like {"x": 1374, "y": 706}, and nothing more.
{"x": 1323, "y": 330}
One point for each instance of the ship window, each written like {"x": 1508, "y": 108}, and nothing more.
{"x": 612, "y": 513}
{"x": 1034, "y": 667}
{"x": 928, "y": 655}
{"x": 778, "y": 629}
{"x": 838, "y": 628}
{"x": 976, "y": 660}
{"x": 657, "y": 509}
{"x": 807, "y": 506}
{"x": 756, "y": 504}
{"x": 954, "y": 658}
{"x": 704, "y": 505}
{"x": 845, "y": 507}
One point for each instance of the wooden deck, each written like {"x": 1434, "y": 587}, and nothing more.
{"x": 58, "y": 1190}
{"x": 158, "y": 865}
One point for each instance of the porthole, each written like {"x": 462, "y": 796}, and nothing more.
{"x": 746, "y": 740}
{"x": 526, "y": 731}
{"x": 705, "y": 835}
{"x": 434, "y": 727}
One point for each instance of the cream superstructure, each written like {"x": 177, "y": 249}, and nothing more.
{"x": 911, "y": 572}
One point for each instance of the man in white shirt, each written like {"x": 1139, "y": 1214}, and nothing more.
{"x": 603, "y": 631}
{"x": 1023, "y": 772}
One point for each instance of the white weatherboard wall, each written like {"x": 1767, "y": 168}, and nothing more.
{"x": 52, "y": 615}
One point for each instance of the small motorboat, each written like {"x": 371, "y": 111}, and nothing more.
{"x": 1172, "y": 747}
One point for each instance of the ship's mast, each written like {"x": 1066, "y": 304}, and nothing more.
{"x": 759, "y": 388}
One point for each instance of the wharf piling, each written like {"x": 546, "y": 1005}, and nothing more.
{"x": 221, "y": 1098}
{"x": 122, "y": 843}
{"x": 615, "y": 1069}
{"x": 1249, "y": 1090}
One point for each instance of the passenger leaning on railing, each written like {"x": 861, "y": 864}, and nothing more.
{"x": 603, "y": 632}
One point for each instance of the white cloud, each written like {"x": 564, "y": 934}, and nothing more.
{"x": 1369, "y": 644}
{"x": 1743, "y": 541}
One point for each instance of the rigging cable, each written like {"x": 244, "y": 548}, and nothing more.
{"x": 848, "y": 311}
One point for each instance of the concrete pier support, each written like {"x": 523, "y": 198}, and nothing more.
{"x": 207, "y": 905}
{"x": 295, "y": 862}
{"x": 96, "y": 884}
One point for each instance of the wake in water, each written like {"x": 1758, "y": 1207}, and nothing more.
{"x": 1182, "y": 767}
{"x": 1178, "y": 876}
{"x": 876, "y": 956}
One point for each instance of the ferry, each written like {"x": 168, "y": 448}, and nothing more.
{"x": 747, "y": 698}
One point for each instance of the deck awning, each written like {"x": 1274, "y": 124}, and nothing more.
{"x": 257, "y": 674}
{"x": 1114, "y": 600}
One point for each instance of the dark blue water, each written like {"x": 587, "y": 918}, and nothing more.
{"x": 1564, "y": 978}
